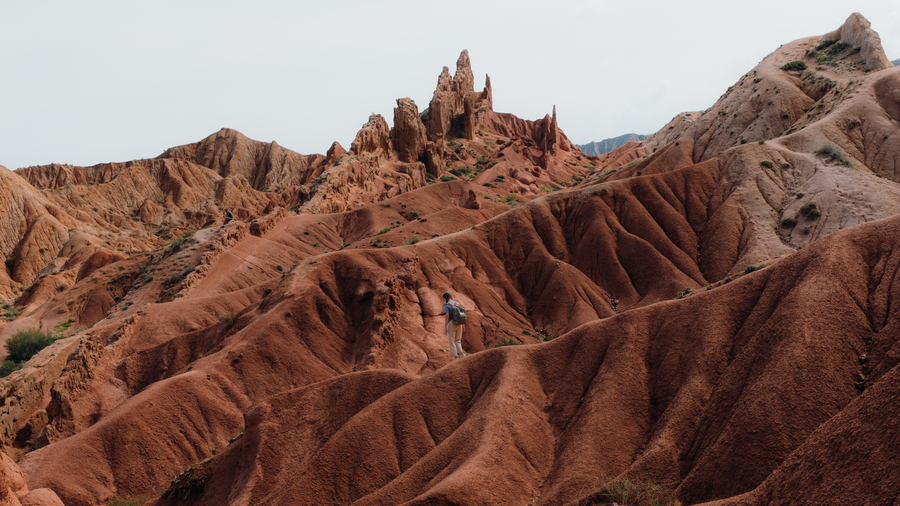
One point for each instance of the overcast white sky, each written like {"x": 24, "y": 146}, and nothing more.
{"x": 98, "y": 81}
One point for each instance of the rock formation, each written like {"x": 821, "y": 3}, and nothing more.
{"x": 265, "y": 166}
{"x": 451, "y": 113}
{"x": 373, "y": 140}
{"x": 408, "y": 135}
{"x": 857, "y": 32}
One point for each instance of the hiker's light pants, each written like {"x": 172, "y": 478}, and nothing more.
{"x": 454, "y": 339}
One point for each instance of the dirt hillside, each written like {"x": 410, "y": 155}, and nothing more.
{"x": 706, "y": 313}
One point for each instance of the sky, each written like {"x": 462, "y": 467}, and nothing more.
{"x": 108, "y": 81}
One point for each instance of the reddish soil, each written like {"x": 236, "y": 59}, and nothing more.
{"x": 708, "y": 310}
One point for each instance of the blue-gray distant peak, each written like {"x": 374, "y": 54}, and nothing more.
{"x": 597, "y": 148}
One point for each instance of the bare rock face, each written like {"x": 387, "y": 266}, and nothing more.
{"x": 373, "y": 139}
{"x": 408, "y": 135}
{"x": 857, "y": 32}
{"x": 469, "y": 116}
{"x": 412, "y": 176}
{"x": 335, "y": 152}
{"x": 440, "y": 110}
{"x": 434, "y": 157}
{"x": 229, "y": 153}
{"x": 448, "y": 110}
{"x": 487, "y": 97}
{"x": 463, "y": 81}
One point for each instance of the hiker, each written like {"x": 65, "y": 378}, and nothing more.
{"x": 229, "y": 216}
{"x": 454, "y": 330}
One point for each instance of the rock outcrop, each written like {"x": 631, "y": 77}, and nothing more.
{"x": 451, "y": 112}
{"x": 857, "y": 32}
{"x": 373, "y": 141}
{"x": 409, "y": 134}
{"x": 267, "y": 166}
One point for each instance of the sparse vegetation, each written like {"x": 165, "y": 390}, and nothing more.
{"x": 794, "y": 65}
{"x": 385, "y": 229}
{"x": 11, "y": 314}
{"x": 23, "y": 345}
{"x": 837, "y": 48}
{"x": 229, "y": 319}
{"x": 506, "y": 342}
{"x": 63, "y": 326}
{"x": 753, "y": 268}
{"x": 176, "y": 243}
{"x": 789, "y": 222}
{"x": 810, "y": 210}
{"x": 130, "y": 501}
{"x": 834, "y": 154}
{"x": 412, "y": 240}
{"x": 622, "y": 490}
{"x": 8, "y": 367}
{"x": 461, "y": 171}
{"x": 825, "y": 44}
{"x": 446, "y": 178}
{"x": 767, "y": 164}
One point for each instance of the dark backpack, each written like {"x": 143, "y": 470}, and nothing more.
{"x": 457, "y": 314}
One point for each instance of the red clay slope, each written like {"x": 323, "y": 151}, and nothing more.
{"x": 326, "y": 346}
{"x": 713, "y": 392}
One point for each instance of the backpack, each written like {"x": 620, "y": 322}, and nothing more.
{"x": 457, "y": 314}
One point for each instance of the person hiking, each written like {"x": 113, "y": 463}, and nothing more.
{"x": 455, "y": 326}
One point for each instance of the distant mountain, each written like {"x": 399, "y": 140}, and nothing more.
{"x": 597, "y": 148}
{"x": 896, "y": 62}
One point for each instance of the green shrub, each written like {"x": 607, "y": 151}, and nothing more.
{"x": 178, "y": 241}
{"x": 834, "y": 154}
{"x": 794, "y": 65}
{"x": 789, "y": 222}
{"x": 810, "y": 210}
{"x": 825, "y": 43}
{"x": 25, "y": 344}
{"x": 8, "y": 367}
{"x": 63, "y": 326}
{"x": 461, "y": 171}
{"x": 506, "y": 342}
{"x": 11, "y": 314}
{"x": 412, "y": 240}
{"x": 753, "y": 268}
{"x": 446, "y": 178}
{"x": 838, "y": 48}
{"x": 767, "y": 164}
